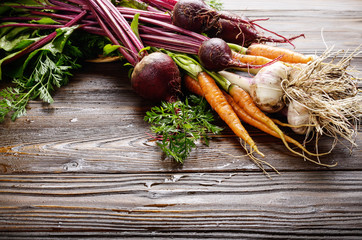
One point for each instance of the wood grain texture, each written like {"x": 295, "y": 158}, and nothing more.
{"x": 85, "y": 168}
{"x": 332, "y": 23}
{"x": 303, "y": 204}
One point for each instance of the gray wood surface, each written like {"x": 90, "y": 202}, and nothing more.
{"x": 84, "y": 168}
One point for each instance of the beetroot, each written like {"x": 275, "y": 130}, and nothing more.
{"x": 216, "y": 55}
{"x": 193, "y": 15}
{"x": 235, "y": 32}
{"x": 157, "y": 78}
{"x": 196, "y": 15}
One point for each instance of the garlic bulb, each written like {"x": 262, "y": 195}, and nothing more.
{"x": 298, "y": 115}
{"x": 266, "y": 90}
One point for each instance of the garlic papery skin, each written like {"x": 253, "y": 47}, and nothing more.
{"x": 298, "y": 115}
{"x": 266, "y": 89}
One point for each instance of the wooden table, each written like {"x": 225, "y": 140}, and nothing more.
{"x": 84, "y": 167}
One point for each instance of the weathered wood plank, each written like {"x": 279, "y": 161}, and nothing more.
{"x": 229, "y": 204}
{"x": 332, "y": 23}
{"x": 294, "y": 6}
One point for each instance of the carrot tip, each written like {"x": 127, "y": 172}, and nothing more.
{"x": 257, "y": 151}
{"x": 253, "y": 147}
{"x": 261, "y": 154}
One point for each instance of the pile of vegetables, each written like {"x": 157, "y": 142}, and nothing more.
{"x": 176, "y": 49}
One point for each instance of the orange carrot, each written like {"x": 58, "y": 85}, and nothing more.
{"x": 255, "y": 123}
{"x": 272, "y": 52}
{"x": 244, "y": 100}
{"x": 251, "y": 59}
{"x": 243, "y": 115}
{"x": 218, "y": 102}
{"x": 193, "y": 86}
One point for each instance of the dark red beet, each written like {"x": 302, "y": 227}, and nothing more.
{"x": 193, "y": 15}
{"x": 216, "y": 55}
{"x": 197, "y": 16}
{"x": 234, "y": 31}
{"x": 157, "y": 78}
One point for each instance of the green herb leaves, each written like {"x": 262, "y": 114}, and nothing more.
{"x": 38, "y": 75}
{"x": 12, "y": 100}
{"x": 179, "y": 125}
{"x": 216, "y": 4}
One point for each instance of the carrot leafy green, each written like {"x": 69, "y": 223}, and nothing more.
{"x": 179, "y": 125}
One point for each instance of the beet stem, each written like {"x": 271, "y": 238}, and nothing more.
{"x": 155, "y": 15}
{"x": 162, "y": 5}
{"x": 117, "y": 28}
{"x": 44, "y": 40}
{"x": 158, "y": 31}
{"x": 170, "y": 47}
{"x": 148, "y": 7}
{"x": 126, "y": 27}
{"x": 53, "y": 15}
{"x": 68, "y": 6}
{"x": 130, "y": 58}
{"x": 33, "y": 25}
{"x": 78, "y": 2}
{"x": 193, "y": 47}
{"x": 17, "y": 19}
{"x": 57, "y": 8}
{"x": 169, "y": 26}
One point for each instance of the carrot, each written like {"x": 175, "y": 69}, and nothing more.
{"x": 272, "y": 52}
{"x": 244, "y": 116}
{"x": 193, "y": 86}
{"x": 254, "y": 60}
{"x": 244, "y": 100}
{"x": 218, "y": 102}
{"x": 251, "y": 59}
